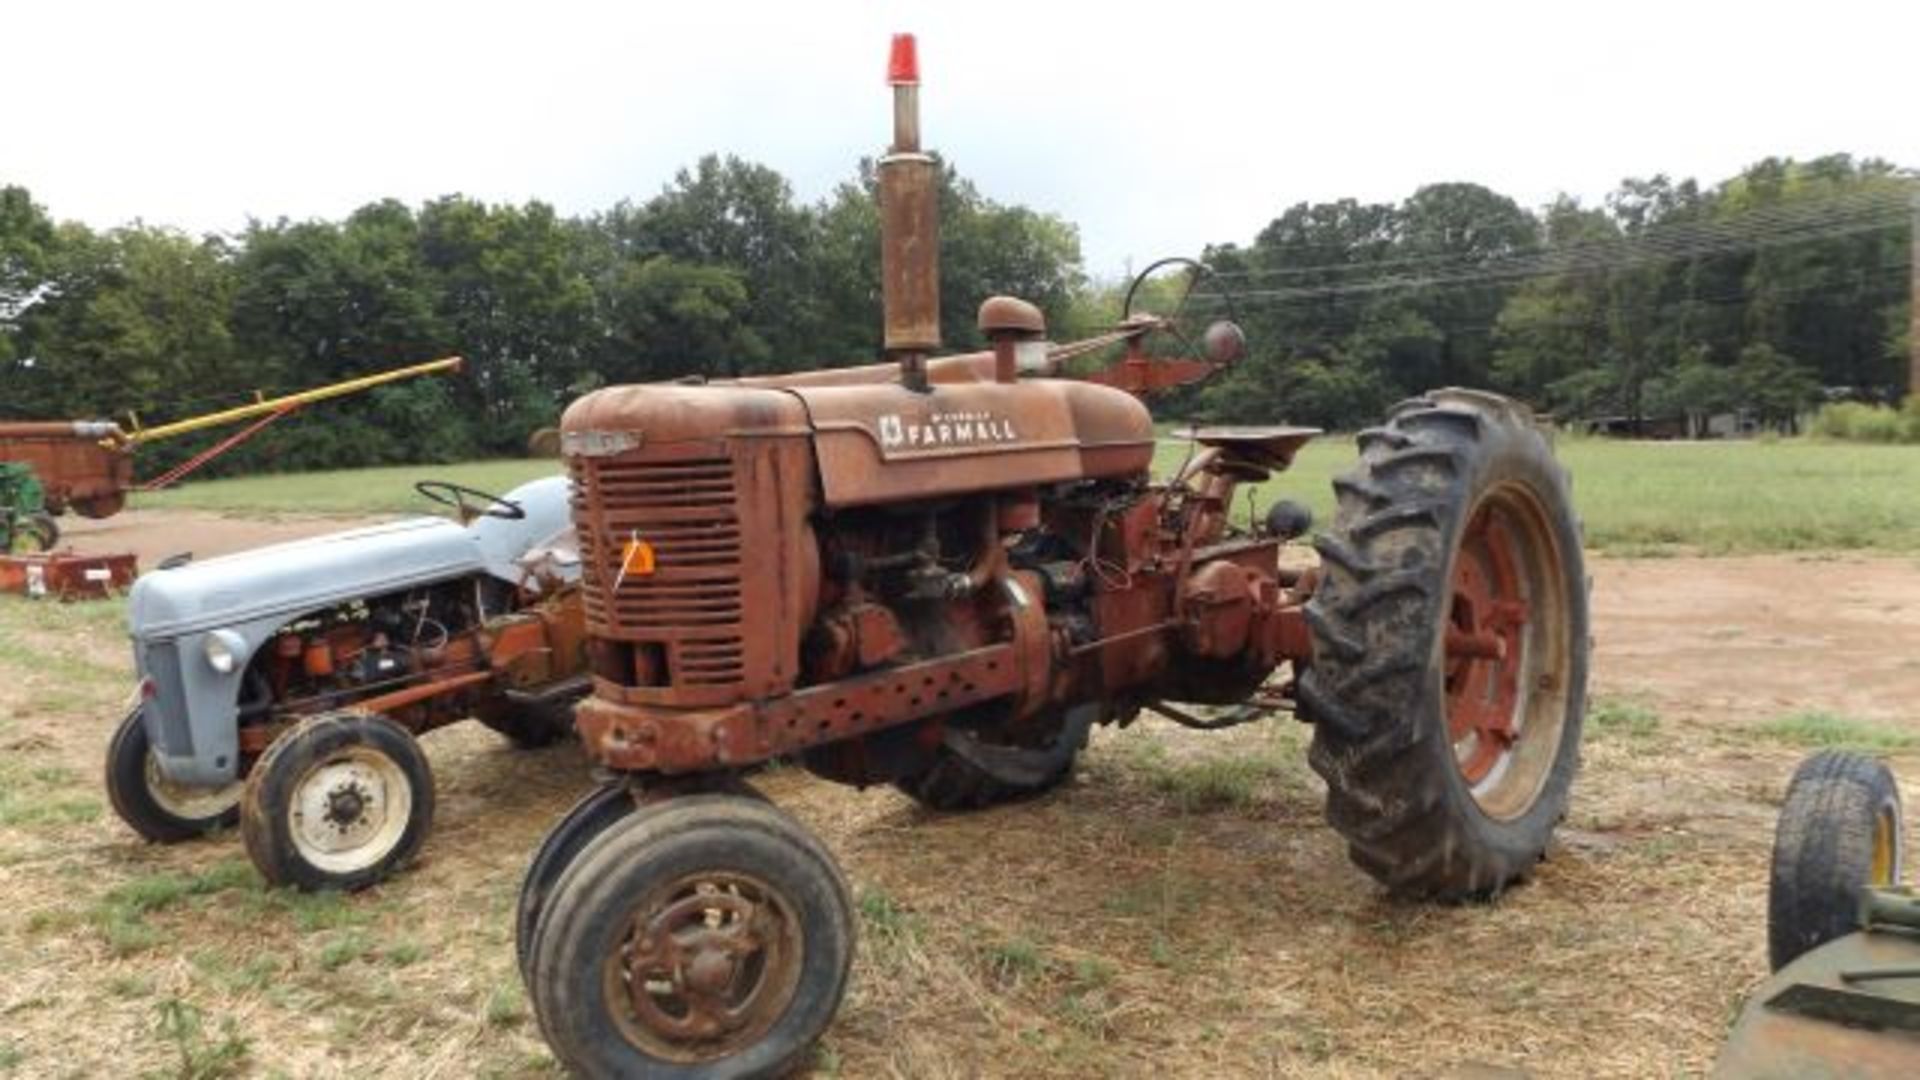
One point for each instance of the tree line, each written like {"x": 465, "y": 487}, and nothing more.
{"x": 1762, "y": 293}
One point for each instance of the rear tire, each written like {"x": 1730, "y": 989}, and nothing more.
{"x": 1449, "y": 674}
{"x": 340, "y": 802}
{"x": 1840, "y": 830}
{"x": 956, "y": 781}
{"x": 532, "y": 727}
{"x": 160, "y": 811}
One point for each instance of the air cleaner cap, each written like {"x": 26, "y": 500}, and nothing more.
{"x": 903, "y": 62}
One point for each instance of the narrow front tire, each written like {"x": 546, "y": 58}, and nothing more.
{"x": 160, "y": 810}
{"x": 340, "y": 802}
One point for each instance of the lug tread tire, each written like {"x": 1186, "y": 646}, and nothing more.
{"x": 126, "y": 769}
{"x": 953, "y": 784}
{"x": 1823, "y": 850}
{"x": 270, "y": 789}
{"x": 1374, "y": 691}
{"x": 533, "y": 727}
{"x": 680, "y": 835}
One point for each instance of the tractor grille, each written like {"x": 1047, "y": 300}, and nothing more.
{"x": 687, "y": 510}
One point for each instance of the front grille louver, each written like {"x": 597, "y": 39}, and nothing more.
{"x": 687, "y": 510}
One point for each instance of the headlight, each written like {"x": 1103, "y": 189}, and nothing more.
{"x": 224, "y": 649}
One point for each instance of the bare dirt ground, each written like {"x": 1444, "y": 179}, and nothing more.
{"x": 1179, "y": 909}
{"x": 153, "y": 535}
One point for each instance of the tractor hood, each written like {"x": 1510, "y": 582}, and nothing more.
{"x": 300, "y": 576}
{"x": 304, "y": 575}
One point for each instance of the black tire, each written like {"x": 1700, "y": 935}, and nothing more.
{"x": 669, "y": 851}
{"x": 1840, "y": 830}
{"x": 378, "y": 789}
{"x": 1455, "y": 497}
{"x": 957, "y": 781}
{"x": 532, "y": 727}
{"x": 34, "y": 533}
{"x": 591, "y": 816}
{"x": 159, "y": 812}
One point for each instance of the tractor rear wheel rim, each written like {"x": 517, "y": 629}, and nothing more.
{"x": 706, "y": 965}
{"x": 1506, "y": 652}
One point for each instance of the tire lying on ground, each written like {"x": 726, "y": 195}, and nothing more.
{"x": 1839, "y": 830}
{"x": 342, "y": 801}
{"x": 1450, "y": 642}
{"x": 159, "y": 810}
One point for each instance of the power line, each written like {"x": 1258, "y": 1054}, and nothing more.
{"x": 1802, "y": 216}
{"x": 1550, "y": 264}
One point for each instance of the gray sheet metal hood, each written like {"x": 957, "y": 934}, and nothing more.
{"x": 301, "y": 576}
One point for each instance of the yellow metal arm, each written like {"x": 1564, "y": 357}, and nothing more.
{"x": 269, "y": 405}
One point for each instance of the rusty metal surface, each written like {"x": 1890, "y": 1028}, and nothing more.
{"x": 909, "y": 274}
{"x": 858, "y": 558}
{"x": 882, "y": 444}
{"x": 633, "y": 737}
{"x": 1807, "y": 1020}
{"x": 1003, "y": 314}
{"x": 66, "y": 575}
{"x": 78, "y": 470}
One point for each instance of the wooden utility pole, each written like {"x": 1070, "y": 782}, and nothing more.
{"x": 1913, "y": 303}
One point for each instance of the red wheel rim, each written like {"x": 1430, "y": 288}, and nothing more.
{"x": 1486, "y": 644}
{"x": 706, "y": 965}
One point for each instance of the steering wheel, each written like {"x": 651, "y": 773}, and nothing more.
{"x": 1217, "y": 342}
{"x": 447, "y": 493}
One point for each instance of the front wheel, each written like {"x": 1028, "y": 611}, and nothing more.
{"x": 340, "y": 802}
{"x": 710, "y": 936}
{"x": 1449, "y": 674}
{"x": 153, "y": 806}
{"x": 597, "y": 811}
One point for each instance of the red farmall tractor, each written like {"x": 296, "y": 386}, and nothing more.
{"x": 941, "y": 573}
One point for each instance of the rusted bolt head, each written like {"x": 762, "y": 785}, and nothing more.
{"x": 1011, "y": 315}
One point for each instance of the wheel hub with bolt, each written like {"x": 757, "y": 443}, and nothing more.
{"x": 1485, "y": 649}
{"x": 349, "y": 811}
{"x": 708, "y": 965}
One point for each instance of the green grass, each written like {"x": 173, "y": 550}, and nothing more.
{"x": 1635, "y": 497}
{"x": 1712, "y": 498}
{"x": 1815, "y": 728}
{"x": 1616, "y": 718}
{"x": 387, "y": 490}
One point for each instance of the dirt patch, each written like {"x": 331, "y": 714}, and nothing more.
{"x": 153, "y": 535}
{"x": 1179, "y": 909}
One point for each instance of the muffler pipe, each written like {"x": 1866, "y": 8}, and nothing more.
{"x": 909, "y": 227}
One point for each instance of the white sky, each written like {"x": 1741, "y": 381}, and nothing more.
{"x": 1155, "y": 128}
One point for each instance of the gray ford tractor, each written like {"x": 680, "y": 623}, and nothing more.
{"x": 283, "y": 688}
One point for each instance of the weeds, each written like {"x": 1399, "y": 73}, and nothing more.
{"x": 885, "y": 921}
{"x": 1616, "y": 718}
{"x": 506, "y": 1005}
{"x": 200, "y": 1057}
{"x": 1816, "y": 728}
{"x": 1015, "y": 961}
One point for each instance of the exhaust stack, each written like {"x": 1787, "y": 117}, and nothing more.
{"x": 909, "y": 227}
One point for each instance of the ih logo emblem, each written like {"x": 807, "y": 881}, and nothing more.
{"x": 945, "y": 429}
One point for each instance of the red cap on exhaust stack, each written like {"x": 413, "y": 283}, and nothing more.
{"x": 903, "y": 62}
